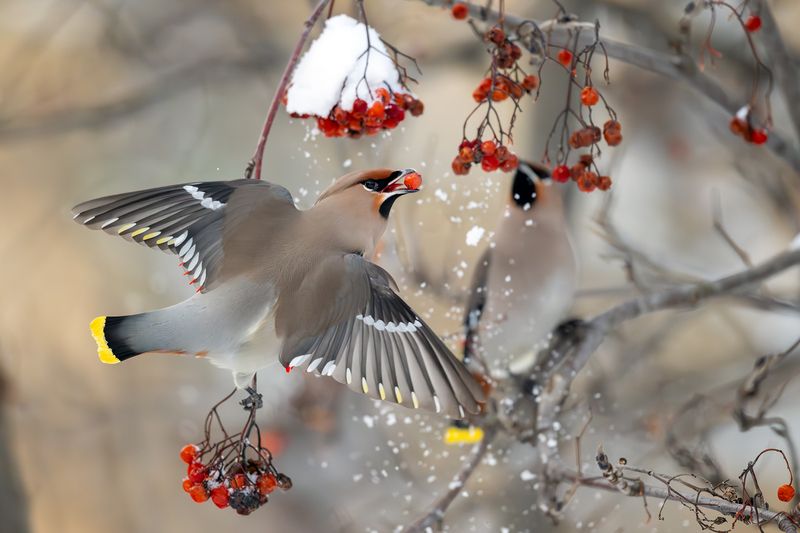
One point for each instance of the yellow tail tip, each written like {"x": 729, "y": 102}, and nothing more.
{"x": 103, "y": 351}
{"x": 469, "y": 435}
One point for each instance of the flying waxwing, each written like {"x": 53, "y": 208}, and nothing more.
{"x": 260, "y": 264}
{"x": 524, "y": 284}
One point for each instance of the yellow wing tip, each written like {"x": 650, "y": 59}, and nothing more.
{"x": 470, "y": 435}
{"x": 97, "y": 327}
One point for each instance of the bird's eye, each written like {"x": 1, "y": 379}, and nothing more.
{"x": 371, "y": 185}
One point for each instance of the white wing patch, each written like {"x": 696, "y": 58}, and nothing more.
{"x": 205, "y": 201}
{"x": 390, "y": 327}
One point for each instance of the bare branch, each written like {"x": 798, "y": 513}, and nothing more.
{"x": 436, "y": 513}
{"x": 675, "y": 66}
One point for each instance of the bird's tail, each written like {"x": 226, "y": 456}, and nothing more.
{"x": 121, "y": 337}
{"x": 112, "y": 345}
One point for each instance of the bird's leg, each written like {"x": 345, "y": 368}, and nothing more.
{"x": 254, "y": 400}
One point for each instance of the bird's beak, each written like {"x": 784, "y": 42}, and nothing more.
{"x": 408, "y": 181}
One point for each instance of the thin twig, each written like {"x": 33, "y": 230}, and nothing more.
{"x": 253, "y": 169}
{"x": 676, "y": 66}
{"x": 439, "y": 507}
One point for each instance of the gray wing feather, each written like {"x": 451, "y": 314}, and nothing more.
{"x": 372, "y": 341}
{"x": 187, "y": 219}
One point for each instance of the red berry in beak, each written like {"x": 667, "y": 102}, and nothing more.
{"x": 412, "y": 181}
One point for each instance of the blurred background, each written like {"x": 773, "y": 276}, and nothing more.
{"x": 105, "y": 96}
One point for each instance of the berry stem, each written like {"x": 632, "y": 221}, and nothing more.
{"x": 253, "y": 169}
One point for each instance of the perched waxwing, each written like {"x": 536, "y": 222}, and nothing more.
{"x": 524, "y": 283}
{"x": 261, "y": 265}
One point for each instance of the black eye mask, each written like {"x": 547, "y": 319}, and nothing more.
{"x": 523, "y": 191}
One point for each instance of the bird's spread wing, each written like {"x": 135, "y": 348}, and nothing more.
{"x": 186, "y": 219}
{"x": 367, "y": 337}
{"x": 476, "y": 303}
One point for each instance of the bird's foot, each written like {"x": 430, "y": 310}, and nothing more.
{"x": 253, "y": 401}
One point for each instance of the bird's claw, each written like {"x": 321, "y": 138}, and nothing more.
{"x": 253, "y": 401}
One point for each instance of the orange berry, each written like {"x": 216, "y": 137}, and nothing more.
{"x": 239, "y": 481}
{"x": 219, "y": 496}
{"x": 589, "y": 96}
{"x": 376, "y": 110}
{"x": 412, "y": 181}
{"x": 187, "y": 484}
{"x": 266, "y": 484}
{"x": 384, "y": 95}
{"x": 460, "y": 168}
{"x": 466, "y": 154}
{"x": 785, "y": 493}
{"x": 564, "y": 57}
{"x": 488, "y": 147}
{"x": 604, "y": 183}
{"x": 198, "y": 493}
{"x": 498, "y": 95}
{"x": 188, "y": 453}
{"x": 460, "y": 11}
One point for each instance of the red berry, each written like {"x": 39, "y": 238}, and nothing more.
{"x": 187, "y": 484}
{"x": 188, "y": 453}
{"x": 585, "y": 183}
{"x": 219, "y": 496}
{"x": 412, "y": 181}
{"x": 758, "y": 136}
{"x": 395, "y": 113}
{"x": 460, "y": 168}
{"x": 785, "y": 493}
{"x": 510, "y": 163}
{"x": 196, "y": 473}
{"x": 266, "y": 484}
{"x": 239, "y": 481}
{"x": 359, "y": 107}
{"x": 561, "y": 173}
{"x": 565, "y": 57}
{"x": 753, "y": 23}
{"x": 530, "y": 82}
{"x": 489, "y": 163}
{"x": 377, "y": 110}
{"x": 498, "y": 95}
{"x": 496, "y": 35}
{"x": 384, "y": 95}
{"x": 198, "y": 493}
{"x": 390, "y": 124}
{"x": 488, "y": 147}
{"x": 604, "y": 183}
{"x": 589, "y": 96}
{"x": 460, "y": 11}
{"x": 416, "y": 108}
{"x": 466, "y": 154}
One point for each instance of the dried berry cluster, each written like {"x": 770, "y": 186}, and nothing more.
{"x": 241, "y": 484}
{"x": 582, "y": 174}
{"x": 384, "y": 113}
{"x": 505, "y": 80}
{"x": 487, "y": 153}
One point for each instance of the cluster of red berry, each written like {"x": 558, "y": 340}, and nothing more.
{"x": 582, "y": 175}
{"x": 612, "y": 132}
{"x": 243, "y": 486}
{"x": 489, "y": 154}
{"x": 741, "y": 126}
{"x": 384, "y": 113}
{"x": 503, "y": 86}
